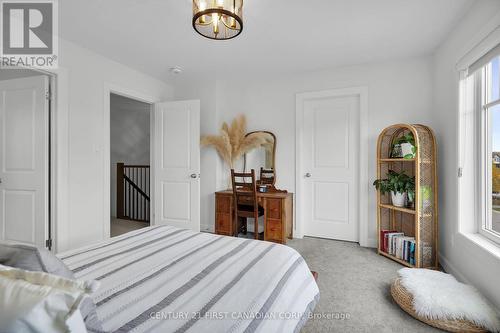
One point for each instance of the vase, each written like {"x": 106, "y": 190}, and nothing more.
{"x": 407, "y": 150}
{"x": 227, "y": 175}
{"x": 398, "y": 199}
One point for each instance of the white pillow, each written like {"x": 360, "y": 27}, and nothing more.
{"x": 40, "y": 302}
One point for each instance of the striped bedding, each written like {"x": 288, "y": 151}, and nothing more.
{"x": 165, "y": 279}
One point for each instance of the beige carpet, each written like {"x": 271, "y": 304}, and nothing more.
{"x": 354, "y": 285}
{"x": 119, "y": 226}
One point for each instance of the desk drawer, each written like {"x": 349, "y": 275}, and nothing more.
{"x": 274, "y": 208}
{"x": 223, "y": 224}
{"x": 223, "y": 214}
{"x": 223, "y": 204}
{"x": 274, "y": 230}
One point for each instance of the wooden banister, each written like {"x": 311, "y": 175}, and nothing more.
{"x": 137, "y": 188}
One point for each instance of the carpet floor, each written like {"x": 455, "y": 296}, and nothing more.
{"x": 119, "y": 226}
{"x": 354, "y": 283}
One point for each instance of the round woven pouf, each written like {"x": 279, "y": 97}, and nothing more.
{"x": 405, "y": 300}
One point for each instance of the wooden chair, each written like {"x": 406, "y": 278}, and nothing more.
{"x": 266, "y": 176}
{"x": 245, "y": 198}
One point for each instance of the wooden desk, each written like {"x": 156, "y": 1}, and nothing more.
{"x": 278, "y": 215}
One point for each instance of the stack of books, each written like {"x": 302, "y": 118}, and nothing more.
{"x": 397, "y": 244}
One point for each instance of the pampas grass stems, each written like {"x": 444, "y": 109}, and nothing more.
{"x": 233, "y": 142}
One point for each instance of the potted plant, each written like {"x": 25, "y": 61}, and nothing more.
{"x": 400, "y": 185}
{"x": 404, "y": 146}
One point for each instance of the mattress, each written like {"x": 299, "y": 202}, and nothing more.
{"x": 166, "y": 279}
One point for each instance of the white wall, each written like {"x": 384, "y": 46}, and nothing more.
{"x": 398, "y": 92}
{"x": 459, "y": 255}
{"x": 82, "y": 210}
{"x": 130, "y": 136}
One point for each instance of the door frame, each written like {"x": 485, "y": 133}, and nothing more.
{"x": 53, "y": 182}
{"x": 59, "y": 155}
{"x": 109, "y": 89}
{"x": 363, "y": 185}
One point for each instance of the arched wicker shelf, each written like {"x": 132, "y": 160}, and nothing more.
{"x": 421, "y": 220}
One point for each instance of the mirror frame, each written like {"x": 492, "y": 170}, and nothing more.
{"x": 274, "y": 153}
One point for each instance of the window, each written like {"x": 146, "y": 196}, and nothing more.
{"x": 489, "y": 131}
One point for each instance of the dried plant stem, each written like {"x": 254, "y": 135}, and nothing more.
{"x": 233, "y": 142}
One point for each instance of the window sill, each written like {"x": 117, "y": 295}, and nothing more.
{"x": 483, "y": 242}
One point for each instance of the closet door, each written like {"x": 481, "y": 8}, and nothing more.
{"x": 177, "y": 164}
{"x": 24, "y": 120}
{"x": 329, "y": 165}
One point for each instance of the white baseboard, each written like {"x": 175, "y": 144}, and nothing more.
{"x": 370, "y": 242}
{"x": 207, "y": 228}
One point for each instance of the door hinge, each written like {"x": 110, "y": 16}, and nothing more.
{"x": 48, "y": 95}
{"x": 48, "y": 244}
{"x": 460, "y": 172}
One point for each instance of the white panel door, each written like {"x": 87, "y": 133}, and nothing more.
{"x": 177, "y": 164}
{"x": 24, "y": 119}
{"x": 330, "y": 168}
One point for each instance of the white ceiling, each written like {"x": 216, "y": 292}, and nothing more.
{"x": 279, "y": 35}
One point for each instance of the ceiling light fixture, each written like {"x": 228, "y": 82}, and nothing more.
{"x": 218, "y": 19}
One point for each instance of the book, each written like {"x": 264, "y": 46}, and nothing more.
{"x": 383, "y": 239}
{"x": 401, "y": 245}
{"x": 405, "y": 255}
{"x": 412, "y": 252}
{"x": 397, "y": 245}
{"x": 391, "y": 246}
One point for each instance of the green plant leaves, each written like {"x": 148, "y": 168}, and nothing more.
{"x": 407, "y": 138}
{"x": 397, "y": 182}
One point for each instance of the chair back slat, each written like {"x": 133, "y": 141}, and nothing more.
{"x": 245, "y": 189}
{"x": 243, "y": 185}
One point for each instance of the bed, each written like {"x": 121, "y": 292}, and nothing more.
{"x": 167, "y": 279}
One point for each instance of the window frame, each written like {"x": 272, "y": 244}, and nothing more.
{"x": 484, "y": 184}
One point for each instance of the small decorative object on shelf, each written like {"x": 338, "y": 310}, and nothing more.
{"x": 407, "y": 210}
{"x": 404, "y": 147}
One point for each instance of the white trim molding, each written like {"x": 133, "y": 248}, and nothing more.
{"x": 362, "y": 92}
{"x": 59, "y": 155}
{"x": 486, "y": 39}
{"x": 135, "y": 95}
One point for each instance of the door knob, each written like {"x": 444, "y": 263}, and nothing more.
{"x": 308, "y": 175}
{"x": 193, "y": 175}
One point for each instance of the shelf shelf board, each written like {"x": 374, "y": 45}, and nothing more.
{"x": 392, "y": 160}
{"x": 390, "y": 256}
{"x": 397, "y": 160}
{"x": 400, "y": 209}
